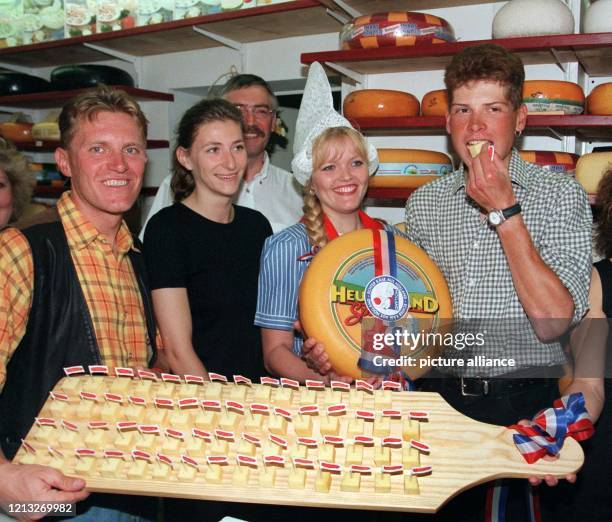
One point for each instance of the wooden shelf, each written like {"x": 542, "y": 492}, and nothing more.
{"x": 45, "y": 100}
{"x": 388, "y": 193}
{"x": 586, "y": 127}
{"x": 296, "y": 18}
{"x": 50, "y": 146}
{"x": 592, "y": 51}
{"x": 380, "y": 6}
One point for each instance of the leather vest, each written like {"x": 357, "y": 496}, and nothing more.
{"x": 59, "y": 332}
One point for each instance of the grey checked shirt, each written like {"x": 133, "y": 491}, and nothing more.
{"x": 448, "y": 225}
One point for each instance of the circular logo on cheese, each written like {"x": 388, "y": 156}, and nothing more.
{"x": 386, "y": 298}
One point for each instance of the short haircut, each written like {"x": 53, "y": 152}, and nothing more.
{"x": 17, "y": 170}
{"x": 487, "y": 62}
{"x": 242, "y": 81}
{"x": 203, "y": 112}
{"x": 89, "y": 103}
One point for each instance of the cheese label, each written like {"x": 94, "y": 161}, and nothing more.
{"x": 414, "y": 169}
{"x": 537, "y": 104}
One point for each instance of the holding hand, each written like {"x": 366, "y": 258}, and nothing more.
{"x": 488, "y": 181}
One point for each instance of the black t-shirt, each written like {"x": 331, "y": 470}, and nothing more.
{"x": 218, "y": 264}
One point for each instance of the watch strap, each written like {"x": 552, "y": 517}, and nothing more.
{"x": 511, "y": 211}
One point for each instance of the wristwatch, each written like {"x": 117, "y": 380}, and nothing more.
{"x": 497, "y": 217}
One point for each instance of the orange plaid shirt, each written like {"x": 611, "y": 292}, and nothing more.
{"x": 108, "y": 282}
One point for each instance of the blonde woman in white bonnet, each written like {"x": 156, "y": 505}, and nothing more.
{"x": 333, "y": 163}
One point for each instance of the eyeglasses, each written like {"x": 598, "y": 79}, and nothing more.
{"x": 258, "y": 111}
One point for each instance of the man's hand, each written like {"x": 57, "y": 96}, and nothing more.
{"x": 313, "y": 352}
{"x": 488, "y": 182}
{"x": 33, "y": 483}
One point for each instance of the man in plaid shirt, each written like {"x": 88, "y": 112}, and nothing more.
{"x": 75, "y": 291}
{"x": 514, "y": 243}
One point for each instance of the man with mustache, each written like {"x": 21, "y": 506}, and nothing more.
{"x": 266, "y": 188}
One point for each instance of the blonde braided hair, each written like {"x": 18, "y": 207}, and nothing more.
{"x": 324, "y": 148}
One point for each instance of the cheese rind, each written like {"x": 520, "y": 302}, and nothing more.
{"x": 409, "y": 168}
{"x": 591, "y": 168}
{"x": 553, "y": 96}
{"x": 600, "y": 100}
{"x": 380, "y": 103}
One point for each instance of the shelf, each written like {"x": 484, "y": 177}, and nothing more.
{"x": 296, "y": 18}
{"x": 586, "y": 127}
{"x": 46, "y": 100}
{"x": 592, "y": 51}
{"x": 388, "y": 193}
{"x": 50, "y": 146}
{"x": 381, "y": 6}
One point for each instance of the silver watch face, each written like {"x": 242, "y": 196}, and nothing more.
{"x": 496, "y": 218}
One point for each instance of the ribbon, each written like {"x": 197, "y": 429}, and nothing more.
{"x": 547, "y": 431}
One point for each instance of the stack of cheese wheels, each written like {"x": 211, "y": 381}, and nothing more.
{"x": 409, "y": 168}
{"x": 336, "y": 300}
{"x": 564, "y": 162}
{"x": 394, "y": 29}
{"x": 380, "y": 103}
{"x": 591, "y": 168}
{"x": 600, "y": 100}
{"x": 435, "y": 103}
{"x": 553, "y": 96}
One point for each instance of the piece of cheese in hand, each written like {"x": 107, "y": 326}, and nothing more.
{"x": 475, "y": 147}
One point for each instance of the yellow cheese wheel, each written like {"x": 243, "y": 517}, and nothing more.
{"x": 553, "y": 96}
{"x": 600, "y": 100}
{"x": 336, "y": 295}
{"x": 435, "y": 103}
{"x": 17, "y": 132}
{"x": 409, "y": 168}
{"x": 46, "y": 131}
{"x": 380, "y": 103}
{"x": 591, "y": 168}
{"x": 564, "y": 162}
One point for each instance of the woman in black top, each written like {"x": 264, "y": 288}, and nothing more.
{"x": 203, "y": 252}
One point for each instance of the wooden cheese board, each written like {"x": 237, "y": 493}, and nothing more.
{"x": 385, "y": 450}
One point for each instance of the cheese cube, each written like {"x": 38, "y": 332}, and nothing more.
{"x": 143, "y": 388}
{"x": 241, "y": 476}
{"x": 69, "y": 439}
{"x": 350, "y": 482}
{"x": 135, "y": 413}
{"x": 283, "y": 396}
{"x": 56, "y": 462}
{"x": 179, "y": 419}
{"x": 188, "y": 390}
{"x": 96, "y": 438}
{"x": 213, "y": 391}
{"x": 382, "y": 399}
{"x": 329, "y": 425}
{"x": 157, "y": 415}
{"x": 354, "y": 454}
{"x": 94, "y": 385}
{"x": 72, "y": 385}
{"x": 85, "y": 410}
{"x": 332, "y": 396}
{"x": 355, "y": 398}
{"x": 195, "y": 447}
{"x": 246, "y": 448}
{"x": 382, "y": 426}
{"x": 206, "y": 419}
{"x": 125, "y": 440}
{"x": 302, "y": 425}
{"x": 267, "y": 477}
{"x": 214, "y": 474}
{"x": 355, "y": 427}
{"x": 410, "y": 457}
{"x": 277, "y": 424}
{"x": 166, "y": 389}
{"x": 172, "y": 446}
{"x": 411, "y": 429}
{"x": 45, "y": 434}
{"x": 238, "y": 393}
{"x": 120, "y": 385}
{"x": 186, "y": 473}
{"x": 85, "y": 465}
{"x": 382, "y": 483}
{"x": 300, "y": 451}
{"x": 327, "y": 452}
{"x": 411, "y": 485}
{"x": 297, "y": 478}
{"x": 308, "y": 396}
{"x": 382, "y": 455}
{"x": 270, "y": 448}
{"x": 254, "y": 422}
{"x": 112, "y": 412}
{"x": 161, "y": 471}
{"x": 111, "y": 467}
{"x": 262, "y": 393}
{"x": 28, "y": 458}
{"x": 323, "y": 482}
{"x": 57, "y": 409}
{"x": 148, "y": 442}
{"x": 230, "y": 421}
{"x": 218, "y": 447}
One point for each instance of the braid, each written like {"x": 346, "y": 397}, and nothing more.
{"x": 313, "y": 218}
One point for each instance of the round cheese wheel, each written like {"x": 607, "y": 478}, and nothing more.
{"x": 394, "y": 29}
{"x": 533, "y": 18}
{"x": 380, "y": 103}
{"x": 17, "y": 132}
{"x": 553, "y": 96}
{"x": 409, "y": 168}
{"x": 591, "y": 168}
{"x": 337, "y": 287}
{"x": 598, "y": 17}
{"x": 600, "y": 100}
{"x": 46, "y": 131}
{"x": 435, "y": 103}
{"x": 564, "y": 162}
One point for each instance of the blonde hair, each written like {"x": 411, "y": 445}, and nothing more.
{"x": 322, "y": 148}
{"x": 17, "y": 170}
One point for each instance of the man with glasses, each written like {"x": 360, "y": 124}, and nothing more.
{"x": 266, "y": 188}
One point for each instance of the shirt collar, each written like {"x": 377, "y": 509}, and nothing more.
{"x": 518, "y": 169}
{"x": 81, "y": 233}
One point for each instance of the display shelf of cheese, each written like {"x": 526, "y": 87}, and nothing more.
{"x": 50, "y": 146}
{"x": 592, "y": 51}
{"x": 142, "y": 436}
{"x": 45, "y": 100}
{"x": 389, "y": 193}
{"x": 380, "y": 6}
{"x": 281, "y": 20}
{"x": 584, "y": 126}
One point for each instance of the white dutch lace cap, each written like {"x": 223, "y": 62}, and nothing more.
{"x": 317, "y": 114}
